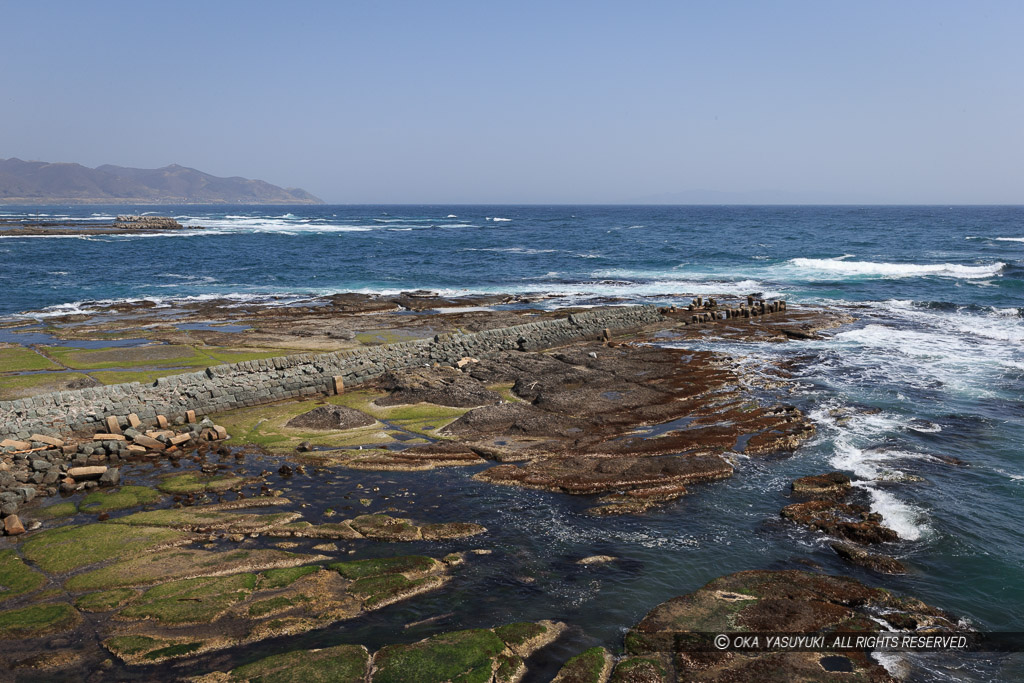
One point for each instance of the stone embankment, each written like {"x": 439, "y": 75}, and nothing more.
{"x": 250, "y": 383}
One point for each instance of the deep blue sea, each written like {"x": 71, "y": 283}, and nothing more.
{"x": 933, "y": 369}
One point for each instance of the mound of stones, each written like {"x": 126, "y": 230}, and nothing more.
{"x": 331, "y": 418}
{"x": 132, "y": 222}
{"x": 44, "y": 465}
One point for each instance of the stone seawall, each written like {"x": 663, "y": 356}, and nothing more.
{"x": 250, "y": 383}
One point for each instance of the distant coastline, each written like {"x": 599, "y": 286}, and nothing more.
{"x": 37, "y": 183}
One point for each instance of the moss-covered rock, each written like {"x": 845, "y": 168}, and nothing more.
{"x": 461, "y": 655}
{"x": 591, "y": 666}
{"x": 16, "y": 578}
{"x": 339, "y": 664}
{"x": 526, "y": 637}
{"x": 639, "y": 670}
{"x": 279, "y": 578}
{"x": 56, "y": 511}
{"x": 191, "y": 601}
{"x": 120, "y": 499}
{"x": 192, "y": 482}
{"x": 386, "y": 528}
{"x": 38, "y": 620}
{"x": 180, "y": 563}
{"x": 406, "y": 564}
{"x": 104, "y": 601}
{"x": 202, "y": 520}
{"x": 71, "y": 547}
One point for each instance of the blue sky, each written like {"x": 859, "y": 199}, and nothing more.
{"x": 532, "y": 102}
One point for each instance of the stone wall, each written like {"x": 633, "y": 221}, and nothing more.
{"x": 250, "y": 383}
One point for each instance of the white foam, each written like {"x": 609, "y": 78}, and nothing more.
{"x": 1008, "y": 239}
{"x": 451, "y": 215}
{"x": 905, "y": 519}
{"x": 499, "y": 220}
{"x": 841, "y": 266}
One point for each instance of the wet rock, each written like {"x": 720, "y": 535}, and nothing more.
{"x": 112, "y": 477}
{"x": 852, "y": 522}
{"x": 304, "y": 447}
{"x": 832, "y": 485}
{"x": 780, "y": 602}
{"x": 883, "y": 564}
{"x": 331, "y": 418}
{"x": 596, "y": 559}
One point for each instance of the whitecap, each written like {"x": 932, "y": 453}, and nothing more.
{"x": 840, "y": 266}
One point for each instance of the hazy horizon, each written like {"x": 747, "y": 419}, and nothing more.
{"x": 525, "y": 103}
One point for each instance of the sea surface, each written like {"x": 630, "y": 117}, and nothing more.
{"x": 932, "y": 373}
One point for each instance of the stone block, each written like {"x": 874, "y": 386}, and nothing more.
{"x": 113, "y": 426}
{"x": 48, "y": 440}
{"x": 89, "y": 472}
{"x": 108, "y": 437}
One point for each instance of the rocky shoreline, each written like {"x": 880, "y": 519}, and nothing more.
{"x": 121, "y": 225}
{"x": 180, "y": 539}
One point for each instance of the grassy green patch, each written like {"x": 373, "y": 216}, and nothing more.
{"x": 504, "y": 390}
{"x": 70, "y": 547}
{"x": 23, "y": 360}
{"x": 279, "y": 578}
{"x": 104, "y": 601}
{"x": 519, "y": 632}
{"x": 15, "y": 577}
{"x": 197, "y": 519}
{"x": 339, "y": 664}
{"x": 132, "y": 645}
{"x": 191, "y": 482}
{"x": 191, "y": 601}
{"x": 57, "y": 511}
{"x": 262, "y": 608}
{"x": 20, "y": 386}
{"x": 120, "y": 357}
{"x": 120, "y": 499}
{"x": 440, "y": 658}
{"x": 37, "y": 620}
{"x": 177, "y": 563}
{"x": 358, "y": 569}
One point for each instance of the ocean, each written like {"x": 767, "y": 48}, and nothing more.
{"x": 930, "y": 374}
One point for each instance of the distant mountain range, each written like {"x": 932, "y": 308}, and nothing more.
{"x": 40, "y": 182}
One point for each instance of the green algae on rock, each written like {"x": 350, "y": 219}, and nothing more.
{"x": 121, "y": 499}
{"x": 591, "y": 666}
{"x": 462, "y": 655}
{"x": 199, "y": 519}
{"x": 38, "y": 620}
{"x": 339, "y": 664}
{"x": 70, "y": 547}
{"x": 16, "y": 578}
{"x": 105, "y": 601}
{"x": 191, "y": 482}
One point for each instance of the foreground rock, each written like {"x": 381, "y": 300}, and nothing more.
{"x": 782, "y": 601}
{"x": 472, "y": 655}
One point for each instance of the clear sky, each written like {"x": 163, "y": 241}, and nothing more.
{"x": 531, "y": 102}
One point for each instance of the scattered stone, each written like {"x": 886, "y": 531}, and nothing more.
{"x": 13, "y": 525}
